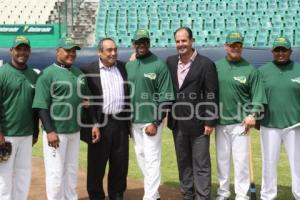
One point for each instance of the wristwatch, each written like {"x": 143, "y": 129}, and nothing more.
{"x": 156, "y": 123}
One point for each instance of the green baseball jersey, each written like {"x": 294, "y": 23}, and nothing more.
{"x": 61, "y": 91}
{"x": 151, "y": 85}
{"x": 16, "y": 95}
{"x": 282, "y": 85}
{"x": 241, "y": 90}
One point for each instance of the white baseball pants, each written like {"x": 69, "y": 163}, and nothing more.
{"x": 148, "y": 153}
{"x": 61, "y": 167}
{"x": 15, "y": 173}
{"x": 230, "y": 143}
{"x": 271, "y": 140}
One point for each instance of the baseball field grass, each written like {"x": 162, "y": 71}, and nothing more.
{"x": 169, "y": 166}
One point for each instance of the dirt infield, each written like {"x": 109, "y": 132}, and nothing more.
{"x": 134, "y": 188}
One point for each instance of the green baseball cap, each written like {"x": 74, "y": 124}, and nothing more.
{"x": 20, "y": 39}
{"x": 67, "y": 43}
{"x": 141, "y": 33}
{"x": 234, "y": 37}
{"x": 282, "y": 42}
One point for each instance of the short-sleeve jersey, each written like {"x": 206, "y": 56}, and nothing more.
{"x": 61, "y": 91}
{"x": 241, "y": 90}
{"x": 151, "y": 85}
{"x": 17, "y": 87}
{"x": 282, "y": 85}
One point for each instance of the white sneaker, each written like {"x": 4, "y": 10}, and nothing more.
{"x": 221, "y": 198}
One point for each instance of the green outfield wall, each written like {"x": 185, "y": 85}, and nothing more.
{"x": 41, "y": 36}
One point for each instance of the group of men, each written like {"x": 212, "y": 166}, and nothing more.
{"x": 106, "y": 101}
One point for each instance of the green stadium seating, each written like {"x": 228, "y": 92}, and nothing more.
{"x": 260, "y": 20}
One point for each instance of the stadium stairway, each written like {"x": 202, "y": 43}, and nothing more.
{"x": 83, "y": 27}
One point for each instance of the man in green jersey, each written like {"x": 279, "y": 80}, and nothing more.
{"x": 18, "y": 121}
{"x": 281, "y": 120}
{"x": 60, "y": 91}
{"x": 151, "y": 88}
{"x": 242, "y": 97}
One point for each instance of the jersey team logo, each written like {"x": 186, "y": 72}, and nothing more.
{"x": 151, "y": 76}
{"x": 241, "y": 79}
{"x": 297, "y": 80}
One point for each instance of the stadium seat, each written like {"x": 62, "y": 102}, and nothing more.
{"x": 199, "y": 40}
{"x": 220, "y": 22}
{"x": 242, "y": 23}
{"x": 230, "y": 24}
{"x": 209, "y": 24}
{"x": 242, "y": 6}
{"x": 202, "y": 7}
{"x": 221, "y": 6}
{"x": 187, "y": 22}
{"x": 249, "y": 40}
{"x": 175, "y": 24}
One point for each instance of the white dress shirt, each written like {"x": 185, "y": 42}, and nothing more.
{"x": 113, "y": 89}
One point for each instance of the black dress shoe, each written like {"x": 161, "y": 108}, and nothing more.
{"x": 117, "y": 197}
